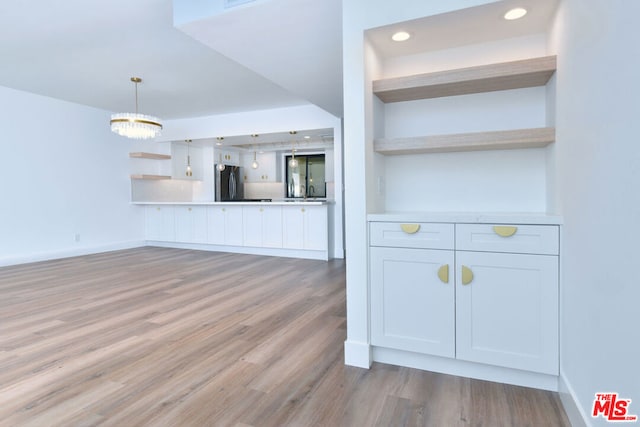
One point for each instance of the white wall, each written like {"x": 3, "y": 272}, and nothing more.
{"x": 63, "y": 173}
{"x": 598, "y": 180}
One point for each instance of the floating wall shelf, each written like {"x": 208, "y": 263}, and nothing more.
{"x": 462, "y": 81}
{"x": 154, "y": 156}
{"x": 475, "y": 141}
{"x": 140, "y": 176}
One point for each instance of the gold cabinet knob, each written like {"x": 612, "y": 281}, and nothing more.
{"x": 157, "y": 209}
{"x": 189, "y": 209}
{"x": 443, "y": 273}
{"x": 467, "y": 275}
{"x": 222, "y": 209}
{"x": 410, "y": 228}
{"x": 504, "y": 230}
{"x": 302, "y": 210}
{"x": 261, "y": 209}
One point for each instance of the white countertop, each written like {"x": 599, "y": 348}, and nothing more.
{"x": 469, "y": 217}
{"x": 275, "y": 202}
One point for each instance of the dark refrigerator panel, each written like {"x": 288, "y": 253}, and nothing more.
{"x": 229, "y": 184}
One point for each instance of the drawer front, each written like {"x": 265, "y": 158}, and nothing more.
{"x": 411, "y": 235}
{"x": 523, "y": 239}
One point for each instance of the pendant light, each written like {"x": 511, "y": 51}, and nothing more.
{"x": 188, "y": 172}
{"x": 220, "y": 164}
{"x": 293, "y": 163}
{"x": 135, "y": 125}
{"x": 255, "y": 163}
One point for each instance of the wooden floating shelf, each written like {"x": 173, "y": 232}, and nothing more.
{"x": 154, "y": 156}
{"x": 462, "y": 81}
{"x": 139, "y": 176}
{"x": 475, "y": 141}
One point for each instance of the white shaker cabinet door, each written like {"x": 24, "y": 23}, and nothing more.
{"x": 315, "y": 228}
{"x": 507, "y": 310}
{"x": 293, "y": 227}
{"x": 191, "y": 224}
{"x": 160, "y": 223}
{"x": 413, "y": 300}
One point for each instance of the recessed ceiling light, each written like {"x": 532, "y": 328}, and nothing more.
{"x": 307, "y": 137}
{"x": 400, "y": 36}
{"x": 516, "y": 13}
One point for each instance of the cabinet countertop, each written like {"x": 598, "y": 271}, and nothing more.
{"x": 469, "y": 217}
{"x": 272, "y": 203}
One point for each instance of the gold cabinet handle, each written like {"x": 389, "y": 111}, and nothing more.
{"x": 443, "y": 273}
{"x": 467, "y": 275}
{"x": 410, "y": 228}
{"x": 504, "y": 230}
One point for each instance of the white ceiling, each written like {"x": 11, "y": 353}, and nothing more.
{"x": 267, "y": 54}
{"x": 463, "y": 27}
{"x": 86, "y": 51}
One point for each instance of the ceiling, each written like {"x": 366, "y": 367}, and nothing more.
{"x": 473, "y": 25}
{"x": 303, "y": 140}
{"x": 85, "y": 52}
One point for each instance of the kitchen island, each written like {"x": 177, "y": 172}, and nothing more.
{"x": 288, "y": 228}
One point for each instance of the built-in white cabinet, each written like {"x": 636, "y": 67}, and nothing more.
{"x": 262, "y": 226}
{"x": 485, "y": 293}
{"x": 160, "y": 223}
{"x": 224, "y": 225}
{"x": 305, "y": 227}
{"x": 191, "y": 224}
{"x": 413, "y": 300}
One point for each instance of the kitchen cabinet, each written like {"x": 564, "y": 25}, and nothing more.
{"x": 160, "y": 223}
{"x": 488, "y": 295}
{"x": 266, "y": 171}
{"x": 413, "y": 300}
{"x": 228, "y": 157}
{"x": 262, "y": 226}
{"x": 191, "y": 224}
{"x": 224, "y": 225}
{"x": 305, "y": 227}
{"x": 507, "y": 313}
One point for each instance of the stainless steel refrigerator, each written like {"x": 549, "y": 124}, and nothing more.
{"x": 229, "y": 184}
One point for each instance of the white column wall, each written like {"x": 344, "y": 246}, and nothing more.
{"x": 597, "y": 175}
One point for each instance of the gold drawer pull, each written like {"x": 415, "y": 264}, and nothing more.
{"x": 410, "y": 228}
{"x": 467, "y": 275}
{"x": 504, "y": 230}
{"x": 443, "y": 273}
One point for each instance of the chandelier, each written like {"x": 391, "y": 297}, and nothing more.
{"x": 135, "y": 125}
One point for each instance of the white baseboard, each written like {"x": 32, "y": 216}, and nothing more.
{"x": 463, "y": 368}
{"x": 67, "y": 253}
{"x": 576, "y": 415}
{"x": 357, "y": 354}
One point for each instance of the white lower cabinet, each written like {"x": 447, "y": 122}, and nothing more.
{"x": 224, "y": 225}
{"x": 481, "y": 304}
{"x": 413, "y": 300}
{"x": 305, "y": 227}
{"x": 507, "y": 312}
{"x": 262, "y": 226}
{"x": 160, "y": 223}
{"x": 191, "y": 224}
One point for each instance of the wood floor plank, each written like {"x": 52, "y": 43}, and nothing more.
{"x": 172, "y": 337}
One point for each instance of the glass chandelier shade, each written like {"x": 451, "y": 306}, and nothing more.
{"x": 136, "y": 125}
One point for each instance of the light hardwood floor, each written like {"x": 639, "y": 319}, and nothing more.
{"x": 169, "y": 337}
